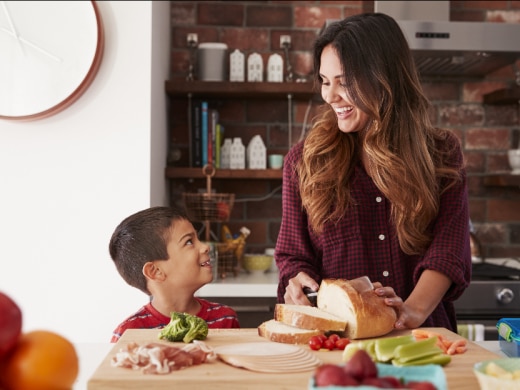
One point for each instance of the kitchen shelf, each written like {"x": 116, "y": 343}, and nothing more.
{"x": 226, "y": 89}
{"x": 196, "y": 173}
{"x": 502, "y": 180}
{"x": 503, "y": 96}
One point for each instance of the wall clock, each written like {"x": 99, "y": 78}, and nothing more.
{"x": 50, "y": 52}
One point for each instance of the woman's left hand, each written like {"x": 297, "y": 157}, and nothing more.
{"x": 406, "y": 317}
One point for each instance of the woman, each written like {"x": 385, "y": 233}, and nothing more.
{"x": 375, "y": 189}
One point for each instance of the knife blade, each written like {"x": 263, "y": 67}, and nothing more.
{"x": 362, "y": 284}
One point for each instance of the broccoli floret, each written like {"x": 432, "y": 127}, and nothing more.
{"x": 176, "y": 328}
{"x": 198, "y": 329}
{"x": 184, "y": 327}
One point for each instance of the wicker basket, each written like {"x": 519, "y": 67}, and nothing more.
{"x": 227, "y": 262}
{"x": 208, "y": 207}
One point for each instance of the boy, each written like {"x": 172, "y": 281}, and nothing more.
{"x": 157, "y": 251}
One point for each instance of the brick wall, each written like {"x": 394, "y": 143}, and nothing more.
{"x": 486, "y": 131}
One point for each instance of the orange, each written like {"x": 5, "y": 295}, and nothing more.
{"x": 41, "y": 360}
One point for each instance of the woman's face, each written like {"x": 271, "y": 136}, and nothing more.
{"x": 333, "y": 91}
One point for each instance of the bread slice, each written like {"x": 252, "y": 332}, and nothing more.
{"x": 282, "y": 333}
{"x": 366, "y": 314}
{"x": 308, "y": 317}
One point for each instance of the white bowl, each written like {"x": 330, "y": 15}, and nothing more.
{"x": 492, "y": 382}
{"x": 514, "y": 160}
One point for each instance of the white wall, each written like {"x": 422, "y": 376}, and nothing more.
{"x": 68, "y": 180}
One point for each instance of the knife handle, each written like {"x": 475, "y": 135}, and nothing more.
{"x": 311, "y": 295}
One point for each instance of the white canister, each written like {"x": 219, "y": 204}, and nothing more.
{"x": 212, "y": 58}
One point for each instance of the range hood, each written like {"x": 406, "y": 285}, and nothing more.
{"x": 447, "y": 48}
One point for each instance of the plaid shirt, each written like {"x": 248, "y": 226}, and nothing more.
{"x": 364, "y": 242}
{"x": 215, "y": 314}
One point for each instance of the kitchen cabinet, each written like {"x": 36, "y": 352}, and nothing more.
{"x": 224, "y": 90}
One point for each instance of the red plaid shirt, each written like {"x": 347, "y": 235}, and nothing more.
{"x": 215, "y": 314}
{"x": 363, "y": 242}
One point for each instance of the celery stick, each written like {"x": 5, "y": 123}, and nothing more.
{"x": 385, "y": 347}
{"x": 417, "y": 350}
{"x": 440, "y": 359}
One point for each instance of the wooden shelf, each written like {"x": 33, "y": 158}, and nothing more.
{"x": 502, "y": 180}
{"x": 228, "y": 89}
{"x": 503, "y": 96}
{"x": 196, "y": 173}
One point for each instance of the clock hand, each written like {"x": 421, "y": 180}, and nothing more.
{"x": 29, "y": 43}
{"x": 11, "y": 25}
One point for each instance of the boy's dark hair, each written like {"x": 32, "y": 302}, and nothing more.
{"x": 140, "y": 238}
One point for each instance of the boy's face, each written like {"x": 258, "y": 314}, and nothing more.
{"x": 189, "y": 262}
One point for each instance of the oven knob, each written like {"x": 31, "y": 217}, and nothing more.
{"x": 505, "y": 295}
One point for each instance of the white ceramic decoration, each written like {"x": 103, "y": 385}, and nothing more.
{"x": 255, "y": 67}
{"x": 236, "y": 66}
{"x": 275, "y": 68}
{"x": 256, "y": 153}
{"x": 225, "y": 154}
{"x": 238, "y": 154}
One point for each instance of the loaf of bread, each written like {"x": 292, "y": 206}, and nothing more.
{"x": 282, "y": 333}
{"x": 343, "y": 307}
{"x": 308, "y": 317}
{"x": 366, "y": 313}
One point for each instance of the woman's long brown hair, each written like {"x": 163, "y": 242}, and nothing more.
{"x": 399, "y": 142}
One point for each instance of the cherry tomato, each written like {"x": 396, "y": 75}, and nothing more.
{"x": 328, "y": 344}
{"x": 322, "y": 337}
{"x": 10, "y": 324}
{"x": 334, "y": 337}
{"x": 341, "y": 343}
{"x": 315, "y": 343}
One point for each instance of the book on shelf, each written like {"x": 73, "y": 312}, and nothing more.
{"x": 204, "y": 131}
{"x": 195, "y": 136}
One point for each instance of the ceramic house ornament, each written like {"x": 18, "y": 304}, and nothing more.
{"x": 256, "y": 153}
{"x": 225, "y": 154}
{"x": 275, "y": 68}
{"x": 238, "y": 154}
{"x": 255, "y": 67}
{"x": 236, "y": 66}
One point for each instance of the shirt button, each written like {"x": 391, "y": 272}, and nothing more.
{"x": 379, "y": 199}
{"x": 381, "y": 237}
{"x": 386, "y": 273}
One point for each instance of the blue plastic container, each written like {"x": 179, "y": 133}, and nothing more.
{"x": 509, "y": 336}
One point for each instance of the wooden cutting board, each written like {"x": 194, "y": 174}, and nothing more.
{"x": 219, "y": 375}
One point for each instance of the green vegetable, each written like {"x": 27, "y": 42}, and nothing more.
{"x": 441, "y": 359}
{"x": 184, "y": 327}
{"x": 385, "y": 348}
{"x": 418, "y": 350}
{"x": 197, "y": 329}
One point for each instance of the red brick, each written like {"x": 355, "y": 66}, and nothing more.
{"x": 474, "y": 91}
{"x": 314, "y": 16}
{"x": 220, "y": 13}
{"x": 506, "y": 115}
{"x": 301, "y": 40}
{"x": 253, "y": 40}
{"x": 487, "y": 139}
{"x": 461, "y": 114}
{"x": 503, "y": 210}
{"x": 268, "y": 16}
{"x": 503, "y": 16}
{"x": 477, "y": 210}
{"x": 482, "y": 4}
{"x": 475, "y": 162}
{"x": 183, "y": 13}
{"x": 441, "y": 90}
{"x": 497, "y": 163}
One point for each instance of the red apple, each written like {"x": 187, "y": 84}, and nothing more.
{"x": 10, "y": 324}
{"x": 361, "y": 366}
{"x": 332, "y": 375}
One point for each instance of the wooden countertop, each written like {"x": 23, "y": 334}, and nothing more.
{"x": 218, "y": 375}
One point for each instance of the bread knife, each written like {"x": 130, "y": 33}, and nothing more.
{"x": 311, "y": 295}
{"x": 362, "y": 284}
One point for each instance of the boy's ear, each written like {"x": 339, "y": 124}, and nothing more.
{"x": 151, "y": 271}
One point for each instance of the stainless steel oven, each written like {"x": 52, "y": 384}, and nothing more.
{"x": 494, "y": 293}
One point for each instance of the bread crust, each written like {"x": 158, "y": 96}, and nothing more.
{"x": 282, "y": 333}
{"x": 307, "y": 317}
{"x": 366, "y": 313}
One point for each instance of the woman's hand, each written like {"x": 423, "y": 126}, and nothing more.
{"x": 408, "y": 317}
{"x": 294, "y": 292}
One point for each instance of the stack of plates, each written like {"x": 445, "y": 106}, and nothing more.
{"x": 268, "y": 357}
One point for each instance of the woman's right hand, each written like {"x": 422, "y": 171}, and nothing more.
{"x": 294, "y": 294}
